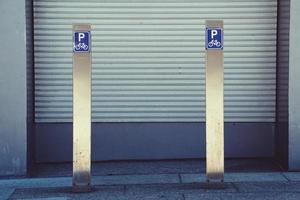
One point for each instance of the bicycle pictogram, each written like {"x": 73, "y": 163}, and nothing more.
{"x": 80, "y": 46}
{"x": 214, "y": 43}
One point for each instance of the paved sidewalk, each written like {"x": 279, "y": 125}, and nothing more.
{"x": 183, "y": 186}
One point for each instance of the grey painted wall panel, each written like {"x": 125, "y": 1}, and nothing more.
{"x": 294, "y": 87}
{"x": 13, "y": 136}
{"x": 140, "y": 141}
{"x": 148, "y": 59}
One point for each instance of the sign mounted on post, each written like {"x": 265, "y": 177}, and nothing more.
{"x": 214, "y": 97}
{"x": 81, "y": 41}
{"x": 214, "y": 38}
{"x": 82, "y": 67}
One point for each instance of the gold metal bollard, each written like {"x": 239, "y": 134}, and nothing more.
{"x": 214, "y": 101}
{"x": 81, "y": 108}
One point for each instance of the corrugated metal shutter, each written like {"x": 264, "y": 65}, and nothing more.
{"x": 148, "y": 59}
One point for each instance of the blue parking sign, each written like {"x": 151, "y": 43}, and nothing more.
{"x": 81, "y": 41}
{"x": 214, "y": 38}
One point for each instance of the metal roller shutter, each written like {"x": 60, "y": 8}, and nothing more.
{"x": 148, "y": 59}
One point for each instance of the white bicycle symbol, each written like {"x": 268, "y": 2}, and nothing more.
{"x": 214, "y": 43}
{"x": 81, "y": 46}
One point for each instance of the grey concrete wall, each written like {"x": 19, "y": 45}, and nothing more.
{"x": 294, "y": 87}
{"x": 13, "y": 88}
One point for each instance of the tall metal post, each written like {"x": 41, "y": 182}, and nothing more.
{"x": 81, "y": 108}
{"x": 214, "y": 101}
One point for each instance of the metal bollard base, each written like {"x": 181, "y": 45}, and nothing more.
{"x": 81, "y": 188}
{"x": 215, "y": 184}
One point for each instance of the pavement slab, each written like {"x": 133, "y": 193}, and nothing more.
{"x": 255, "y": 177}
{"x": 193, "y": 178}
{"x": 292, "y": 176}
{"x": 51, "y": 198}
{"x": 66, "y": 192}
{"x": 101, "y": 193}
{"x": 135, "y": 179}
{"x": 166, "y": 189}
{"x": 161, "y": 189}
{"x": 237, "y": 177}
{"x": 243, "y": 196}
{"x": 5, "y": 193}
{"x": 36, "y": 182}
{"x": 268, "y": 186}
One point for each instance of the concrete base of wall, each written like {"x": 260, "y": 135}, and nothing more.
{"x": 141, "y": 141}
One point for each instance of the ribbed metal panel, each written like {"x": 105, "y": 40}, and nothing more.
{"x": 148, "y": 59}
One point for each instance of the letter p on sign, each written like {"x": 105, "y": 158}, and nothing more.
{"x": 214, "y": 33}
{"x": 81, "y": 36}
